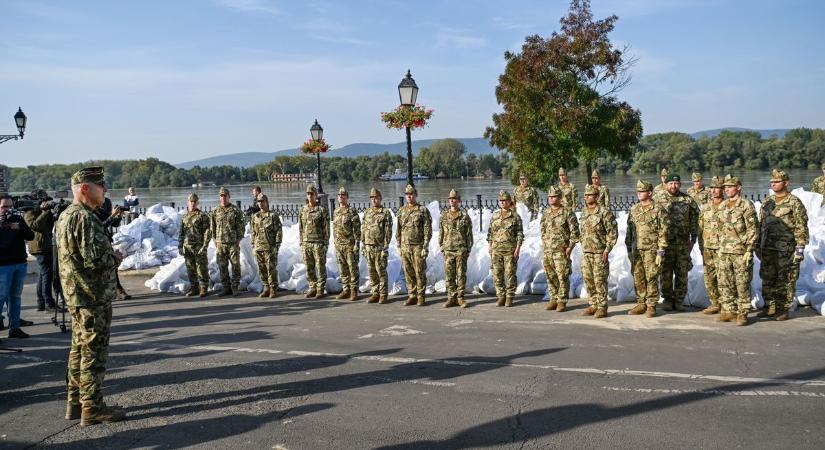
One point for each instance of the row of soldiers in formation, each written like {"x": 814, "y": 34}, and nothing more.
{"x": 662, "y": 229}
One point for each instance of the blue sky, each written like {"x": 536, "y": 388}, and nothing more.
{"x": 186, "y": 79}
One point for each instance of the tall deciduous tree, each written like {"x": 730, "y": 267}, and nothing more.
{"x": 559, "y": 98}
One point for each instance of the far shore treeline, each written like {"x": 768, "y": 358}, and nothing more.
{"x": 730, "y": 151}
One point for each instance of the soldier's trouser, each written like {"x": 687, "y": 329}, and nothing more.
{"x": 415, "y": 269}
{"x": 594, "y": 271}
{"x": 268, "y": 267}
{"x": 711, "y": 261}
{"x": 226, "y": 254}
{"x": 455, "y": 271}
{"x": 504, "y": 273}
{"x": 779, "y": 274}
{"x": 347, "y": 257}
{"x": 557, "y": 269}
{"x": 197, "y": 267}
{"x": 675, "y": 268}
{"x": 89, "y": 350}
{"x": 646, "y": 277}
{"x": 377, "y": 267}
{"x": 315, "y": 258}
{"x": 734, "y": 282}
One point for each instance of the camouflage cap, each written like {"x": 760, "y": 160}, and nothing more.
{"x": 553, "y": 191}
{"x": 410, "y": 189}
{"x": 779, "y": 175}
{"x": 717, "y": 182}
{"x": 673, "y": 177}
{"x": 562, "y": 171}
{"x": 504, "y": 195}
{"x": 223, "y": 191}
{"x": 311, "y": 189}
{"x": 595, "y": 174}
{"x": 643, "y": 186}
{"x": 731, "y": 180}
{"x": 375, "y": 193}
{"x": 453, "y": 194}
{"x": 664, "y": 172}
{"x": 262, "y": 198}
{"x": 193, "y": 197}
{"x": 696, "y": 176}
{"x": 92, "y": 175}
{"x": 343, "y": 191}
{"x": 591, "y": 190}
{"x": 522, "y": 175}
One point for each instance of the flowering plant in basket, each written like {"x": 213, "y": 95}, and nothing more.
{"x": 312, "y": 146}
{"x": 407, "y": 116}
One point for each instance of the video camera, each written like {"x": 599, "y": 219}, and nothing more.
{"x": 39, "y": 200}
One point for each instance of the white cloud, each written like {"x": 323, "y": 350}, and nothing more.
{"x": 250, "y": 6}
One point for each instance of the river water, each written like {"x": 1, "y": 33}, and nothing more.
{"x": 621, "y": 186}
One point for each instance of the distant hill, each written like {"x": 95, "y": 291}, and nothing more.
{"x": 479, "y": 146}
{"x": 780, "y": 133}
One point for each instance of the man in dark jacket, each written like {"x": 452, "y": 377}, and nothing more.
{"x": 41, "y": 222}
{"x": 111, "y": 218}
{"x": 13, "y": 234}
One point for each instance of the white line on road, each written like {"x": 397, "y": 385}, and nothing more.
{"x": 748, "y": 393}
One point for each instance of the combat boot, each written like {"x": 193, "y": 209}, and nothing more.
{"x": 353, "y": 295}
{"x": 450, "y": 302}
{"x": 500, "y": 302}
{"x": 561, "y": 307}
{"x": 273, "y": 293}
{"x": 235, "y": 291}
{"x": 461, "y": 302}
{"x": 373, "y": 298}
{"x": 640, "y": 308}
{"x": 264, "y": 293}
{"x": 421, "y": 301}
{"x": 551, "y": 305}
{"x": 742, "y": 319}
{"x": 677, "y": 306}
{"x": 770, "y": 311}
{"x": 650, "y": 312}
{"x": 712, "y": 309}
{"x": 589, "y": 311}
{"x": 344, "y": 294}
{"x": 508, "y": 302}
{"x": 781, "y": 315}
{"x": 72, "y": 411}
{"x": 382, "y": 300}
{"x": 203, "y": 292}
{"x": 411, "y": 300}
{"x": 724, "y": 316}
{"x": 104, "y": 414}
{"x": 192, "y": 292}
{"x": 321, "y": 294}
{"x": 600, "y": 313}
{"x": 667, "y": 305}
{"x": 225, "y": 292}
{"x": 311, "y": 293}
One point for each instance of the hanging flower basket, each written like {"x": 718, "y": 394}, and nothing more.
{"x": 407, "y": 116}
{"x": 314, "y": 147}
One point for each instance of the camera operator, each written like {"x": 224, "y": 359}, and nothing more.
{"x": 13, "y": 234}
{"x": 111, "y": 217}
{"x": 41, "y": 221}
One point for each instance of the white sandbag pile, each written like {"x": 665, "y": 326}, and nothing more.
{"x": 150, "y": 240}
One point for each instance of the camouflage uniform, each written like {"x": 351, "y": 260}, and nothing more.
{"x": 228, "y": 230}
{"x": 683, "y": 218}
{"x": 346, "y": 227}
{"x": 599, "y": 233}
{"x": 710, "y": 228}
{"x": 529, "y": 197}
{"x": 376, "y": 234}
{"x": 783, "y": 237}
{"x": 415, "y": 228}
{"x": 701, "y": 195}
{"x": 88, "y": 267}
{"x": 646, "y": 238}
{"x": 559, "y": 232}
{"x": 505, "y": 234}
{"x": 569, "y": 196}
{"x": 604, "y": 193}
{"x": 737, "y": 242}
{"x": 661, "y": 188}
{"x": 267, "y": 234}
{"x": 818, "y": 185}
{"x": 193, "y": 240}
{"x": 456, "y": 240}
{"x": 313, "y": 229}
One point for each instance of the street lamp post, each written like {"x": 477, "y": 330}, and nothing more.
{"x": 407, "y": 93}
{"x": 317, "y": 133}
{"x": 20, "y": 122}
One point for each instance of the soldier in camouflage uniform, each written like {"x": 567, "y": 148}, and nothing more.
{"x": 267, "y": 234}
{"x": 313, "y": 228}
{"x": 661, "y": 188}
{"x": 559, "y": 234}
{"x": 87, "y": 267}
{"x": 818, "y": 185}
{"x": 698, "y": 193}
{"x": 415, "y": 228}
{"x": 376, "y": 234}
{"x": 738, "y": 240}
{"x": 599, "y": 233}
{"x": 527, "y": 195}
{"x": 710, "y": 228}
{"x": 646, "y": 241}
{"x": 569, "y": 196}
{"x": 228, "y": 230}
{"x": 346, "y": 228}
{"x": 683, "y": 218}
{"x": 504, "y": 238}
{"x": 456, "y": 240}
{"x": 783, "y": 237}
{"x": 604, "y": 193}
{"x": 193, "y": 241}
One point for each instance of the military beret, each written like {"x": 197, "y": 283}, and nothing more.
{"x": 731, "y": 180}
{"x": 664, "y": 173}
{"x": 562, "y": 171}
{"x": 453, "y": 194}
{"x": 779, "y": 175}
{"x": 696, "y": 176}
{"x": 643, "y": 186}
{"x": 262, "y": 198}
{"x": 311, "y": 189}
{"x": 504, "y": 195}
{"x": 343, "y": 191}
{"x": 595, "y": 174}
{"x": 553, "y": 192}
{"x": 717, "y": 182}
{"x": 410, "y": 190}
{"x": 673, "y": 177}
{"x": 591, "y": 190}
{"x": 223, "y": 191}
{"x": 193, "y": 197}
{"x": 375, "y": 193}
{"x": 89, "y": 175}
